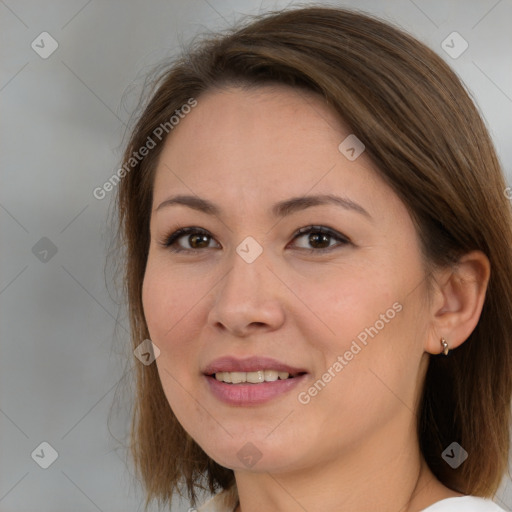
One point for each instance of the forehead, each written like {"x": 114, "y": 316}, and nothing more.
{"x": 259, "y": 137}
{"x": 266, "y": 144}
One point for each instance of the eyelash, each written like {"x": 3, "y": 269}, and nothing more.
{"x": 171, "y": 240}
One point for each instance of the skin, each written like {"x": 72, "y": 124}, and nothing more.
{"x": 354, "y": 445}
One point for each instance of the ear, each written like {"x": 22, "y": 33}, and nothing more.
{"x": 457, "y": 302}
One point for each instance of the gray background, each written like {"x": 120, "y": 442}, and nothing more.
{"x": 63, "y": 335}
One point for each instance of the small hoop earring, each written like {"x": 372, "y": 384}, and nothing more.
{"x": 444, "y": 343}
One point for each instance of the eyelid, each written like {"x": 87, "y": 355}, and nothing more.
{"x": 321, "y": 229}
{"x": 178, "y": 233}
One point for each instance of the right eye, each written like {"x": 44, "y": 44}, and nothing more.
{"x": 197, "y": 238}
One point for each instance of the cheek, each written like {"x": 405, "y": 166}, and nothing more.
{"x": 166, "y": 299}
{"x": 346, "y": 304}
{"x": 156, "y": 302}
{"x": 169, "y": 311}
{"x": 380, "y": 348}
{"x": 366, "y": 317}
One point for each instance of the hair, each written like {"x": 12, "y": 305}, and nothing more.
{"x": 427, "y": 140}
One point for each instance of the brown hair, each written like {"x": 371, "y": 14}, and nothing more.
{"x": 423, "y": 132}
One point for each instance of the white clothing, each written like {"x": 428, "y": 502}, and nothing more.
{"x": 464, "y": 504}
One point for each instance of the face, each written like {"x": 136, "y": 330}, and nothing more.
{"x": 332, "y": 293}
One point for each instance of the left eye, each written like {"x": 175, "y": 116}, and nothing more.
{"x": 320, "y": 237}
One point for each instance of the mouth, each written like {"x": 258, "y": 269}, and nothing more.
{"x": 254, "y": 370}
{"x": 251, "y": 381}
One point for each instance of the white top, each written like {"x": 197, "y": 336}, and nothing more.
{"x": 227, "y": 500}
{"x": 464, "y": 504}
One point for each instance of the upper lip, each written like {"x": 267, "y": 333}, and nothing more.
{"x": 249, "y": 364}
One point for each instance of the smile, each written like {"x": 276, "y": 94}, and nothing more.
{"x": 256, "y": 377}
{"x": 245, "y": 394}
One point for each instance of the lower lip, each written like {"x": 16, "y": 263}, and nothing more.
{"x": 246, "y": 394}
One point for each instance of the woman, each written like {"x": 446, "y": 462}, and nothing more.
{"x": 318, "y": 247}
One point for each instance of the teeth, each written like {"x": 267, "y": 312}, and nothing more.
{"x": 271, "y": 375}
{"x": 251, "y": 377}
{"x": 238, "y": 377}
{"x": 255, "y": 377}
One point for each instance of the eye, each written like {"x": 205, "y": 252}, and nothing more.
{"x": 318, "y": 236}
{"x": 196, "y": 238}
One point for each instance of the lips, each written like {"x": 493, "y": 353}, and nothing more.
{"x": 250, "y": 364}
{"x": 225, "y": 380}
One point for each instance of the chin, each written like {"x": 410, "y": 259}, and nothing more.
{"x": 254, "y": 455}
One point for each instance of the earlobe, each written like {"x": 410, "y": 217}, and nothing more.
{"x": 460, "y": 298}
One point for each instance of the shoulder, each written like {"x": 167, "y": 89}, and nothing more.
{"x": 224, "y": 501}
{"x": 464, "y": 504}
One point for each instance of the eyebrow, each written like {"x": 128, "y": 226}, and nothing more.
{"x": 280, "y": 209}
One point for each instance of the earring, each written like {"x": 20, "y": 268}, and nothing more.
{"x": 445, "y": 346}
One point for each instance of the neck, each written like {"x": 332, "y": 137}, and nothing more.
{"x": 381, "y": 474}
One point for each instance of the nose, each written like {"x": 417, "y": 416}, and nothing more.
{"x": 248, "y": 299}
